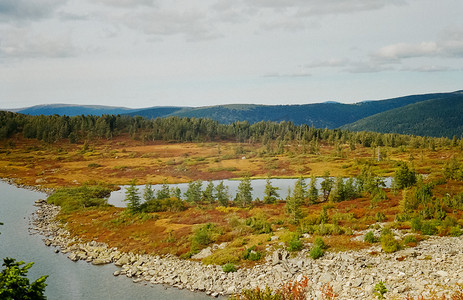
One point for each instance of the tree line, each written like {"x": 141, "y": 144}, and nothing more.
{"x": 275, "y": 136}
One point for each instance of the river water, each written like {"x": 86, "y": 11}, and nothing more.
{"x": 67, "y": 279}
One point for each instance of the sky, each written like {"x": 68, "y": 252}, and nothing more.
{"x": 144, "y": 53}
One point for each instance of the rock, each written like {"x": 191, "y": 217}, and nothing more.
{"x": 203, "y": 253}
{"x": 442, "y": 273}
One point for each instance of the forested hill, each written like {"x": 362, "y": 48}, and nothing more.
{"x": 322, "y": 115}
{"x": 438, "y": 117}
{"x": 73, "y": 110}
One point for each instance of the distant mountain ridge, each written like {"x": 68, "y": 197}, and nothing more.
{"x": 438, "y": 117}
{"x": 398, "y": 115}
{"x": 72, "y": 110}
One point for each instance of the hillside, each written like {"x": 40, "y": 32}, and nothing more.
{"x": 439, "y": 117}
{"x": 321, "y": 115}
{"x": 73, "y": 110}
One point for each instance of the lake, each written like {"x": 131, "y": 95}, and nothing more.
{"x": 67, "y": 279}
{"x": 258, "y": 186}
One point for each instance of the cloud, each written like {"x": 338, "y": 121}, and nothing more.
{"x": 288, "y": 75}
{"x": 428, "y": 69}
{"x": 400, "y": 51}
{"x": 24, "y": 10}
{"x": 126, "y": 3}
{"x": 193, "y": 25}
{"x": 329, "y": 63}
{"x": 22, "y": 43}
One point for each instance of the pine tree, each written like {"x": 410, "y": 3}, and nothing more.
{"x": 221, "y": 194}
{"x": 208, "y": 193}
{"x": 132, "y": 197}
{"x": 326, "y": 185}
{"x": 193, "y": 193}
{"x": 164, "y": 192}
{"x": 148, "y": 193}
{"x": 244, "y": 196}
{"x": 270, "y": 193}
{"x": 313, "y": 191}
{"x": 295, "y": 201}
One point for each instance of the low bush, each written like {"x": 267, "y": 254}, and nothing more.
{"x": 316, "y": 252}
{"x": 252, "y": 254}
{"x": 259, "y": 225}
{"x": 429, "y": 227}
{"x": 370, "y": 237}
{"x": 295, "y": 244}
{"x": 320, "y": 243}
{"x": 410, "y": 240}
{"x": 204, "y": 235}
{"x": 389, "y": 243}
{"x": 223, "y": 256}
{"x": 455, "y": 231}
{"x": 229, "y": 267}
{"x": 75, "y": 198}
{"x": 172, "y": 204}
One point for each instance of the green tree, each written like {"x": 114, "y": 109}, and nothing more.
{"x": 313, "y": 191}
{"x": 270, "y": 194}
{"x": 404, "y": 177}
{"x": 244, "y": 195}
{"x": 148, "y": 193}
{"x": 208, "y": 193}
{"x": 326, "y": 185}
{"x": 164, "y": 192}
{"x": 295, "y": 201}
{"x": 132, "y": 197}
{"x": 221, "y": 194}
{"x": 14, "y": 283}
{"x": 193, "y": 193}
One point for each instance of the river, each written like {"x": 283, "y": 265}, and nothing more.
{"x": 67, "y": 279}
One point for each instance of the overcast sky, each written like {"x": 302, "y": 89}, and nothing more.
{"x": 142, "y": 53}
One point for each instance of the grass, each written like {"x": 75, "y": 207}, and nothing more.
{"x": 263, "y": 226}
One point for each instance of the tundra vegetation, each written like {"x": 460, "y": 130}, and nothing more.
{"x": 84, "y": 157}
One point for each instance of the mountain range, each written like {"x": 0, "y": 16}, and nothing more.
{"x": 437, "y": 114}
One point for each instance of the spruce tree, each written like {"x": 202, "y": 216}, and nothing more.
{"x": 132, "y": 197}
{"x": 221, "y": 194}
{"x": 270, "y": 193}
{"x": 244, "y": 196}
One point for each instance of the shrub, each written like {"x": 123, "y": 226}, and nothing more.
{"x": 205, "y": 235}
{"x": 320, "y": 243}
{"x": 229, "y": 267}
{"x": 455, "y": 231}
{"x": 71, "y": 199}
{"x": 429, "y": 228}
{"x": 410, "y": 240}
{"x": 316, "y": 252}
{"x": 415, "y": 224}
{"x": 370, "y": 237}
{"x": 380, "y": 290}
{"x": 259, "y": 225}
{"x": 380, "y": 217}
{"x": 295, "y": 245}
{"x": 389, "y": 243}
{"x": 172, "y": 204}
{"x": 252, "y": 254}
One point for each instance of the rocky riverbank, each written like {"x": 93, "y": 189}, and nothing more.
{"x": 435, "y": 265}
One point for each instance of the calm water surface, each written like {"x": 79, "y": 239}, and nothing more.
{"x": 67, "y": 279}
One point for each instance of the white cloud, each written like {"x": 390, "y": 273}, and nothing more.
{"x": 400, "y": 51}
{"x": 23, "y": 43}
{"x": 329, "y": 63}
{"x": 126, "y": 3}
